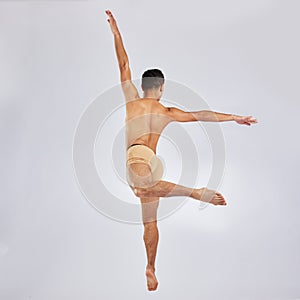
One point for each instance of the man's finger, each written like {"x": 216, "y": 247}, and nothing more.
{"x": 108, "y": 12}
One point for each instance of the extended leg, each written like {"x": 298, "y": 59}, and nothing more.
{"x": 169, "y": 189}
{"x": 149, "y": 214}
{"x": 142, "y": 184}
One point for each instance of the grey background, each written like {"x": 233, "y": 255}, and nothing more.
{"x": 242, "y": 57}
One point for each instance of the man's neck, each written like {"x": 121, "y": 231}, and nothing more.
{"x": 151, "y": 96}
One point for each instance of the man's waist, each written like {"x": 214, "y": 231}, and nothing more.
{"x": 139, "y": 151}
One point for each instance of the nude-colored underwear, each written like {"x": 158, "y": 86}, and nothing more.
{"x": 145, "y": 155}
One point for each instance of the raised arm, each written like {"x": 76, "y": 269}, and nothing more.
{"x": 179, "y": 115}
{"x": 129, "y": 90}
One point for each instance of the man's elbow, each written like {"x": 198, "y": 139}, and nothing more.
{"x": 205, "y": 116}
{"x": 124, "y": 66}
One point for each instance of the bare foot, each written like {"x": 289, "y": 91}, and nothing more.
{"x": 210, "y": 196}
{"x": 152, "y": 282}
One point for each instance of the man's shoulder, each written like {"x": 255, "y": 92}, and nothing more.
{"x": 154, "y": 105}
{"x": 162, "y": 107}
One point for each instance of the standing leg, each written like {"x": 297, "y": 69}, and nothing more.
{"x": 149, "y": 214}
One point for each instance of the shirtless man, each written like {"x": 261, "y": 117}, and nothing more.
{"x": 145, "y": 120}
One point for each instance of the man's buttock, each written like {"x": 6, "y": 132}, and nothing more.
{"x": 141, "y": 154}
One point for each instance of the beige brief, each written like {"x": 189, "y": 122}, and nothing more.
{"x": 145, "y": 155}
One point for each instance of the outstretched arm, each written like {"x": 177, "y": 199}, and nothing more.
{"x": 129, "y": 90}
{"x": 207, "y": 116}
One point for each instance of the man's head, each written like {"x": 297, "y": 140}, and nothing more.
{"x": 152, "y": 83}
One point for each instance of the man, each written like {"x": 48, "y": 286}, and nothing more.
{"x": 145, "y": 120}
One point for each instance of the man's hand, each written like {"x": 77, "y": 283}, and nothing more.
{"x": 112, "y": 22}
{"x": 245, "y": 120}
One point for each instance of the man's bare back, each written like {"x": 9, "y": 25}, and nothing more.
{"x": 145, "y": 120}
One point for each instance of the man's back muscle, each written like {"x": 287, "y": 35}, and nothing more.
{"x": 145, "y": 120}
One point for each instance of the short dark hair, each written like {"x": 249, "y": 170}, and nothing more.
{"x": 152, "y": 78}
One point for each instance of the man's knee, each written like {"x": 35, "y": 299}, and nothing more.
{"x": 140, "y": 192}
{"x": 146, "y": 189}
{"x": 150, "y": 223}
